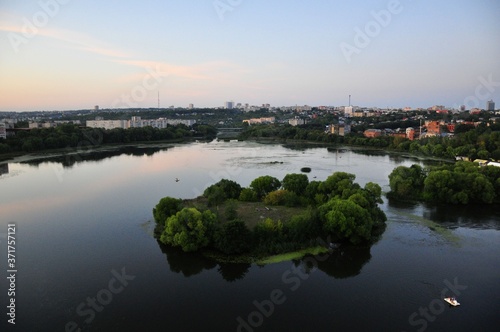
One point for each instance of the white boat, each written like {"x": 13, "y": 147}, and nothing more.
{"x": 452, "y": 301}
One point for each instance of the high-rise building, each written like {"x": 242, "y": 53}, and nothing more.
{"x": 191, "y": 106}
{"x": 490, "y": 105}
{"x": 229, "y": 105}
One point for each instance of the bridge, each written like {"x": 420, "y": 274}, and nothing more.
{"x": 228, "y": 133}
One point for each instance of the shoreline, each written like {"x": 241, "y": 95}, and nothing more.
{"x": 266, "y": 260}
{"x": 17, "y": 157}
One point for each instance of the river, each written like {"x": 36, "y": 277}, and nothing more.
{"x": 85, "y": 257}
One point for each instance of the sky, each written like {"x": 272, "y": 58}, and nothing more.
{"x": 75, "y": 54}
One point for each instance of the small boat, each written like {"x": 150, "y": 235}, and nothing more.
{"x": 452, "y": 301}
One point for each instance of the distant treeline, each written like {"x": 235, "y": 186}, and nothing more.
{"x": 69, "y": 135}
{"x": 481, "y": 142}
{"x": 460, "y": 183}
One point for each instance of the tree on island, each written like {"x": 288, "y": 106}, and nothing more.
{"x": 165, "y": 208}
{"x": 296, "y": 183}
{"x": 189, "y": 229}
{"x": 263, "y": 185}
{"x": 336, "y": 207}
{"x": 221, "y": 191}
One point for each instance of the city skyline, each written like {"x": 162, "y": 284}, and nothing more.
{"x": 66, "y": 55}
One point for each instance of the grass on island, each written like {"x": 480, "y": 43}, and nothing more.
{"x": 444, "y": 232}
{"x": 252, "y": 213}
{"x": 292, "y": 255}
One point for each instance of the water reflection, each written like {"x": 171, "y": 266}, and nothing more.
{"x": 346, "y": 262}
{"x": 189, "y": 264}
{"x": 403, "y": 205}
{"x": 343, "y": 262}
{"x": 233, "y": 272}
{"x": 70, "y": 159}
{"x": 4, "y": 169}
{"x": 470, "y": 216}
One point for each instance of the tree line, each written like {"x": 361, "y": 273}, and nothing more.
{"x": 337, "y": 208}
{"x": 70, "y": 135}
{"x": 460, "y": 183}
{"x": 481, "y": 142}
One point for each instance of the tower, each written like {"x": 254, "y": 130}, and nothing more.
{"x": 490, "y": 105}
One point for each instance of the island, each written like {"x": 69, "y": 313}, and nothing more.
{"x": 272, "y": 220}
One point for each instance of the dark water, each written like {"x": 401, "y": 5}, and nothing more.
{"x": 85, "y": 255}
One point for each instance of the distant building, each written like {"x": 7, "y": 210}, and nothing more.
{"x": 490, "y": 105}
{"x": 191, "y": 106}
{"x": 350, "y": 110}
{"x": 433, "y": 127}
{"x": 371, "y": 133}
{"x": 297, "y": 121}
{"x": 107, "y": 124}
{"x": 96, "y": 108}
{"x": 229, "y": 105}
{"x": 3, "y": 131}
{"x": 340, "y": 129}
{"x": 260, "y": 120}
{"x": 137, "y": 122}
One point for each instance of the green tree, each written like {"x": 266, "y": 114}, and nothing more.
{"x": 439, "y": 186}
{"x": 296, "y": 183}
{"x": 189, "y": 229}
{"x": 276, "y": 197}
{"x": 407, "y": 182}
{"x": 248, "y": 195}
{"x": 264, "y": 185}
{"x": 222, "y": 190}
{"x": 339, "y": 184}
{"x": 166, "y": 207}
{"x": 346, "y": 220}
{"x": 230, "y": 211}
{"x": 234, "y": 238}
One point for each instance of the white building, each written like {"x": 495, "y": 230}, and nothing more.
{"x": 107, "y": 124}
{"x": 350, "y": 110}
{"x": 297, "y": 121}
{"x": 137, "y": 122}
{"x": 260, "y": 120}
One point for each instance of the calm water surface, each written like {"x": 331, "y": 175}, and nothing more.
{"x": 86, "y": 257}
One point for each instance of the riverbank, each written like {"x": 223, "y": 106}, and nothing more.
{"x": 21, "y": 157}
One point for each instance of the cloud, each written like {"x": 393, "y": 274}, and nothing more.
{"x": 216, "y": 71}
{"x": 78, "y": 40}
